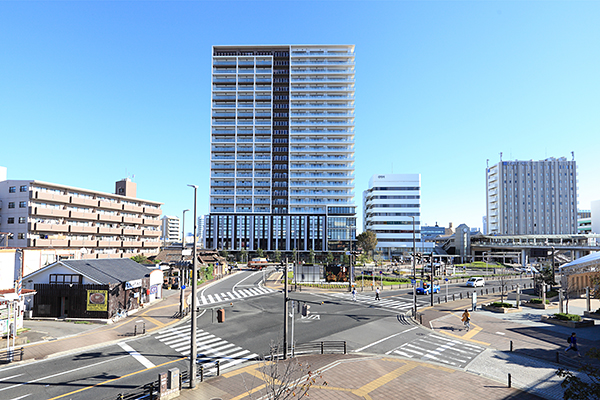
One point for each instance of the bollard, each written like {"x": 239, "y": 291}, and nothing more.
{"x": 151, "y": 390}
{"x": 493, "y": 291}
{"x": 446, "y": 298}
{"x": 135, "y": 330}
{"x": 460, "y": 295}
{"x": 322, "y": 348}
{"x": 511, "y": 345}
{"x": 453, "y": 297}
{"x": 509, "y": 381}
{"x": 218, "y": 368}
{"x": 421, "y": 318}
{"x": 144, "y": 328}
{"x": 345, "y": 347}
{"x": 486, "y": 291}
{"x": 438, "y": 299}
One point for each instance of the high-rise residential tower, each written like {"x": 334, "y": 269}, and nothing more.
{"x": 282, "y": 148}
{"x": 532, "y": 197}
{"x": 392, "y": 209}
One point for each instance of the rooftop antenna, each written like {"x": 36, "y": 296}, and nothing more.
{"x": 500, "y": 156}
{"x": 573, "y": 155}
{"x": 487, "y": 163}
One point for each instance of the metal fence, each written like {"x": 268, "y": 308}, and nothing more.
{"x": 8, "y": 356}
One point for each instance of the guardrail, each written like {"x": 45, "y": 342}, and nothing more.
{"x": 329, "y": 347}
{"x": 8, "y": 356}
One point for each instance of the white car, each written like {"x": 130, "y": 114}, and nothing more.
{"x": 476, "y": 281}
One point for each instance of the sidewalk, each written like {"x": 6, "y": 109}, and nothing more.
{"x": 361, "y": 377}
{"x": 154, "y": 317}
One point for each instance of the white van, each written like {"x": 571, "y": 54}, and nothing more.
{"x": 476, "y": 281}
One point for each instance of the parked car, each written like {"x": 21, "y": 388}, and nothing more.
{"x": 476, "y": 281}
{"x": 425, "y": 289}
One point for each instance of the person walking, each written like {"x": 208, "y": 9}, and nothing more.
{"x": 466, "y": 319}
{"x": 573, "y": 344}
{"x": 377, "y": 294}
{"x": 353, "y": 294}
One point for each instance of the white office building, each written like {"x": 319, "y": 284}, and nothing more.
{"x": 282, "y": 148}
{"x": 171, "y": 229}
{"x": 390, "y": 207}
{"x": 532, "y": 197}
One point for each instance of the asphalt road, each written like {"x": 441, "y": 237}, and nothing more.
{"x": 253, "y": 324}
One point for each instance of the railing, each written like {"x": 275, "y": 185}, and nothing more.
{"x": 8, "y": 356}
{"x": 328, "y": 347}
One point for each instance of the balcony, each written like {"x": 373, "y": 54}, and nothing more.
{"x": 133, "y": 208}
{"x": 110, "y": 218}
{"x": 152, "y": 211}
{"x": 104, "y": 230}
{"x": 83, "y": 201}
{"x": 110, "y": 205}
{"x": 51, "y": 243}
{"x": 82, "y": 229}
{"x": 82, "y": 243}
{"x": 51, "y": 196}
{"x": 152, "y": 222}
{"x": 43, "y": 227}
{"x": 132, "y": 243}
{"x": 49, "y": 212}
{"x": 150, "y": 244}
{"x": 151, "y": 233}
{"x": 132, "y": 231}
{"x": 109, "y": 243}
{"x": 90, "y": 216}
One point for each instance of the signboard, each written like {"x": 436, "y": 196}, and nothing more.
{"x": 133, "y": 284}
{"x": 412, "y": 282}
{"x": 154, "y": 289}
{"x": 97, "y": 300}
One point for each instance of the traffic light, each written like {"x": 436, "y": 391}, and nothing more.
{"x": 305, "y": 311}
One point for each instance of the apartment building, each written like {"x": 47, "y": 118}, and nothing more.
{"x": 532, "y": 197}
{"x": 392, "y": 209}
{"x": 282, "y": 148}
{"x": 171, "y": 229}
{"x": 78, "y": 223}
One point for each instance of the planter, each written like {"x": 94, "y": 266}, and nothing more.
{"x": 591, "y": 315}
{"x": 501, "y": 309}
{"x": 540, "y": 305}
{"x": 569, "y": 324}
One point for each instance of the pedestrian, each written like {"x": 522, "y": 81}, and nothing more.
{"x": 572, "y": 340}
{"x": 377, "y": 293}
{"x": 353, "y": 294}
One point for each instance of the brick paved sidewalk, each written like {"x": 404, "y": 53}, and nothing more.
{"x": 360, "y": 376}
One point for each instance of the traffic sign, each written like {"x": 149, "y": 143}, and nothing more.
{"x": 412, "y": 282}
{"x": 446, "y": 279}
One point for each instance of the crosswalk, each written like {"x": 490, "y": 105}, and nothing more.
{"x": 235, "y": 295}
{"x": 210, "y": 348}
{"x": 440, "y": 349}
{"x": 394, "y": 303}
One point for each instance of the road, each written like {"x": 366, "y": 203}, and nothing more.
{"x": 253, "y": 323}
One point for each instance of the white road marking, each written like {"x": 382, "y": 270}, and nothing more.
{"x": 9, "y": 377}
{"x": 384, "y": 339}
{"x": 143, "y": 360}
{"x": 62, "y": 373}
{"x": 22, "y": 397}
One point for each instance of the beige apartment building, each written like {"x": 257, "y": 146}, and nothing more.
{"x": 69, "y": 222}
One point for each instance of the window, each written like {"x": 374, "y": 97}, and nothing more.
{"x": 11, "y": 204}
{"x": 12, "y": 189}
{"x": 64, "y": 279}
{"x": 22, "y": 204}
{"x": 22, "y": 220}
{"x": 21, "y": 236}
{"x": 23, "y": 188}
{"x": 11, "y": 220}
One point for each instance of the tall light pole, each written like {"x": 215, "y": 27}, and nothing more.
{"x": 414, "y": 270}
{"x": 181, "y": 267}
{"x": 193, "y": 349}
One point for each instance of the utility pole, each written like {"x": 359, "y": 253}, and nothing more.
{"x": 431, "y": 284}
{"x": 182, "y": 267}
{"x": 194, "y": 350}
{"x": 414, "y": 271}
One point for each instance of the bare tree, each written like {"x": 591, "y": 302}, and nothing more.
{"x": 284, "y": 379}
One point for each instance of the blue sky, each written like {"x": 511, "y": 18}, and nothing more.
{"x": 92, "y": 92}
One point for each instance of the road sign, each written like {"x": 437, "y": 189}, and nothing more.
{"x": 446, "y": 279}
{"x": 183, "y": 286}
{"x": 412, "y": 282}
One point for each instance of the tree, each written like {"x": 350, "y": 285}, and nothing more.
{"x": 140, "y": 259}
{"x": 277, "y": 256}
{"x": 578, "y": 389}
{"x": 595, "y": 285}
{"x": 224, "y": 254}
{"x": 284, "y": 379}
{"x": 311, "y": 256}
{"x": 243, "y": 255}
{"x": 367, "y": 240}
{"x": 330, "y": 258}
{"x": 260, "y": 252}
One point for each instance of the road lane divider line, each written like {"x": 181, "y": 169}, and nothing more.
{"x": 135, "y": 354}
{"x": 116, "y": 379}
{"x": 9, "y": 377}
{"x": 62, "y": 373}
{"x": 384, "y": 339}
{"x": 21, "y": 397}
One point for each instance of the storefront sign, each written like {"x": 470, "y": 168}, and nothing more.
{"x": 97, "y": 300}
{"x": 133, "y": 284}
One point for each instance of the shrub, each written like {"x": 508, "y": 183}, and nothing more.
{"x": 538, "y": 301}
{"x": 500, "y": 304}
{"x": 567, "y": 317}
{"x": 552, "y": 293}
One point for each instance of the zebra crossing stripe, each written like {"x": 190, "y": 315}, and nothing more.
{"x": 462, "y": 343}
{"x": 230, "y": 295}
{"x": 218, "y": 297}
{"x": 186, "y": 338}
{"x": 210, "y": 298}
{"x": 403, "y": 354}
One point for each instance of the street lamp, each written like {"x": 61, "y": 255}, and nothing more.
{"x": 181, "y": 268}
{"x": 193, "y": 349}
